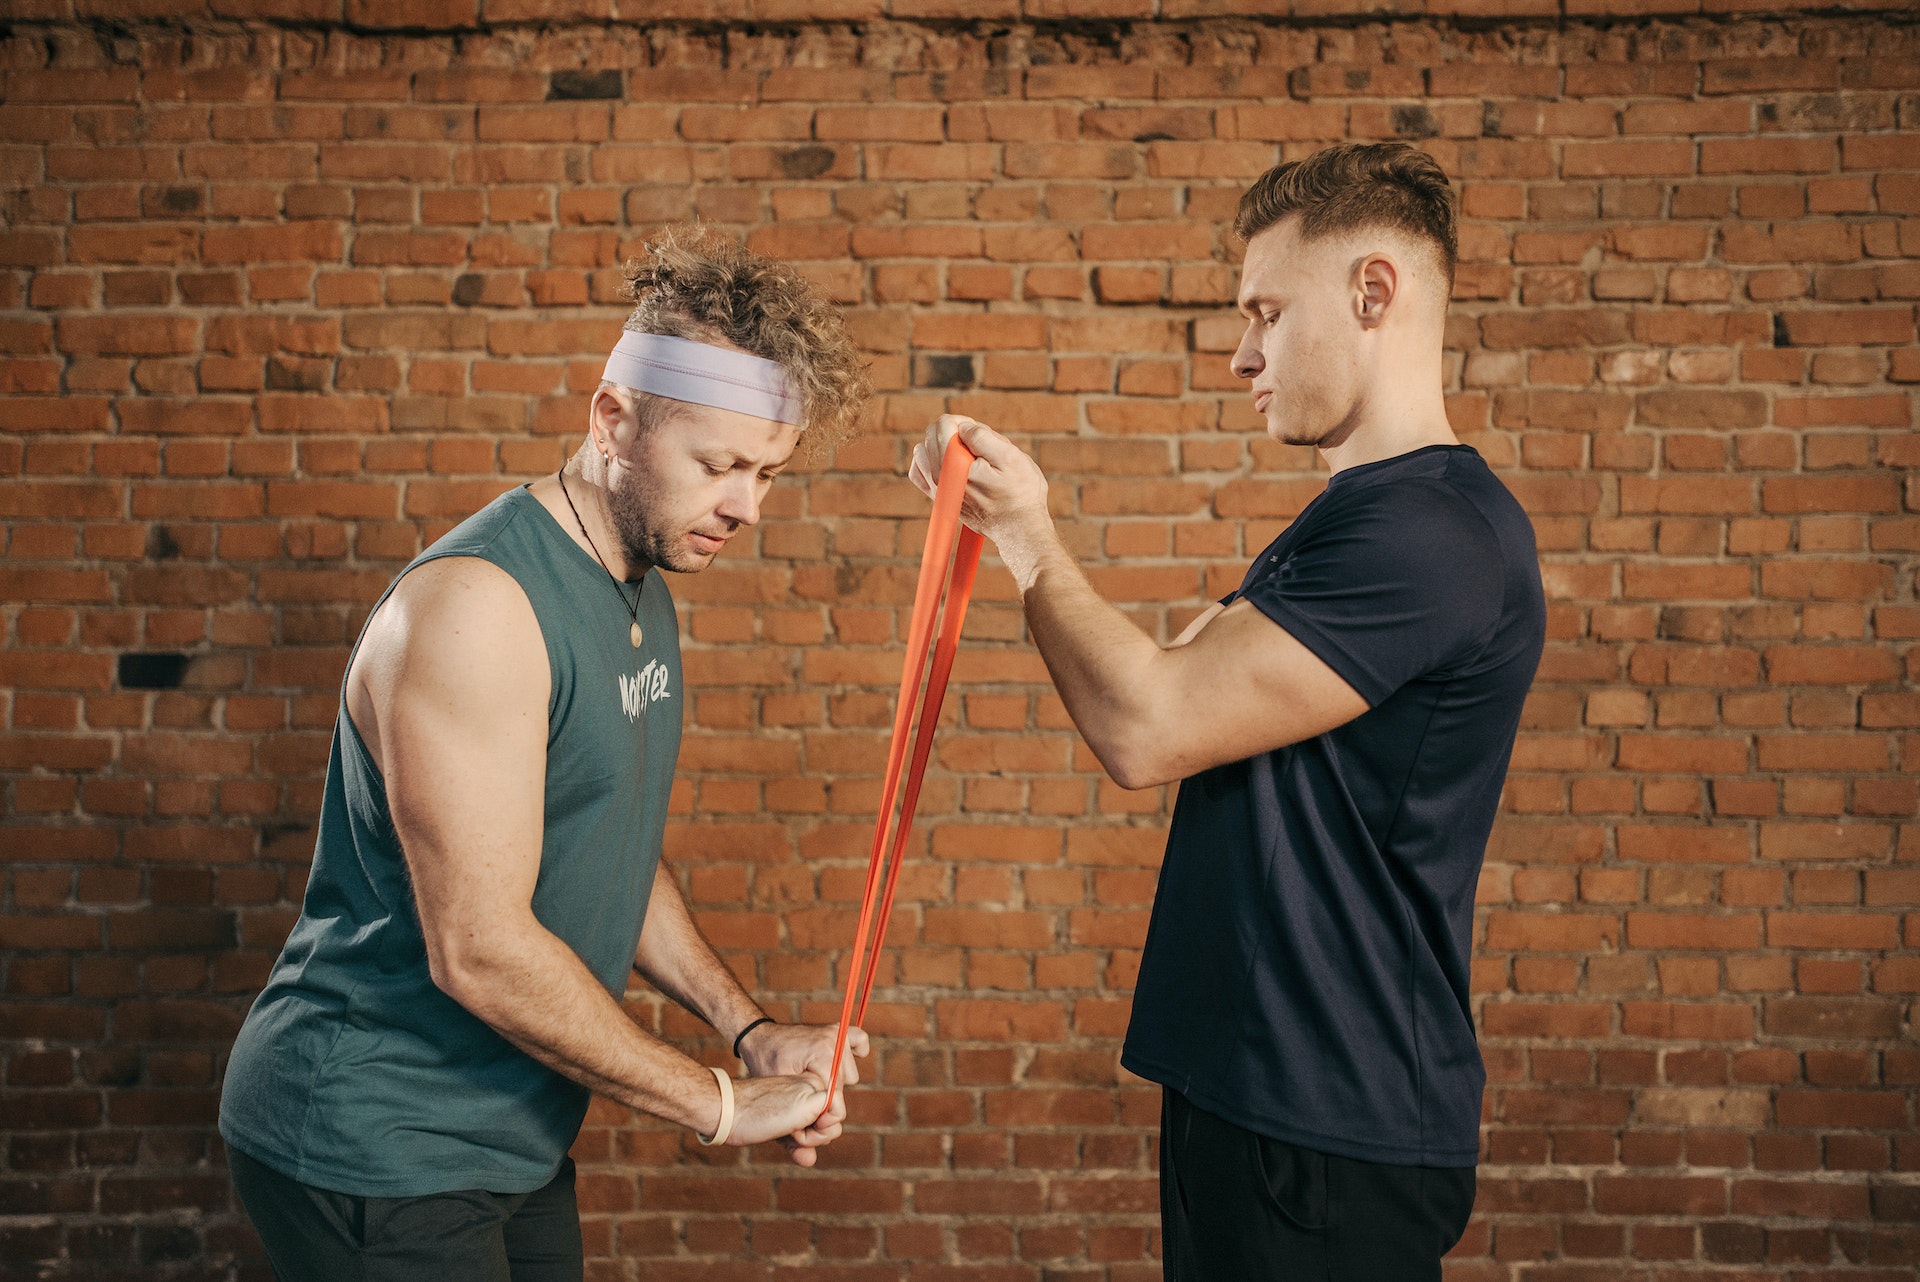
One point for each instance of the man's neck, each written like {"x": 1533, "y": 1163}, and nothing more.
{"x": 591, "y": 522}
{"x": 1404, "y": 409}
{"x": 1362, "y": 446}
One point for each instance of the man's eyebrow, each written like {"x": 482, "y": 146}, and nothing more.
{"x": 735, "y": 458}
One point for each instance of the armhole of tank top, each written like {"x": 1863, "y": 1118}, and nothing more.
{"x": 475, "y": 552}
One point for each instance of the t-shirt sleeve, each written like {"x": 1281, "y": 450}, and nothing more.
{"x": 1389, "y": 587}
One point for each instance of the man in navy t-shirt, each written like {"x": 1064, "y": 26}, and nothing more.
{"x": 1341, "y": 726}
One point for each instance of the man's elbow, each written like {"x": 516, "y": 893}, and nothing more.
{"x": 464, "y": 968}
{"x": 450, "y": 972}
{"x": 1135, "y": 780}
{"x": 1137, "y": 738}
{"x": 1135, "y": 766}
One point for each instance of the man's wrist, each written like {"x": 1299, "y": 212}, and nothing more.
{"x": 694, "y": 1103}
{"x": 741, "y": 1036}
{"x": 1026, "y": 551}
{"x": 709, "y": 1136}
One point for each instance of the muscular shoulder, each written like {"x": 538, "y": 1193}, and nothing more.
{"x": 456, "y": 625}
{"x": 1415, "y": 516}
{"x": 458, "y": 590}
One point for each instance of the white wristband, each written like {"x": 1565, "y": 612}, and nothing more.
{"x": 725, "y": 1128}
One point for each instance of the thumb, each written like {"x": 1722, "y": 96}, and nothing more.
{"x": 986, "y": 443}
{"x": 809, "y": 1100}
{"x": 941, "y": 431}
{"x": 783, "y": 1106}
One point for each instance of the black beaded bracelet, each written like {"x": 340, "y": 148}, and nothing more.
{"x": 764, "y": 1019}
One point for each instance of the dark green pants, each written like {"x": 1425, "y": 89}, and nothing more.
{"x": 313, "y": 1235}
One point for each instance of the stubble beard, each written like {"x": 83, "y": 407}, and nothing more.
{"x": 632, "y": 509}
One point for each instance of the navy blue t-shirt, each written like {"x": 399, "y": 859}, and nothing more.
{"x": 1305, "y": 972}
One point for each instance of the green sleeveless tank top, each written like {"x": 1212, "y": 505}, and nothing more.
{"x": 353, "y": 1072}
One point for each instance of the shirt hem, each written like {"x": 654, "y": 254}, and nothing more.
{"x": 443, "y": 1180}
{"x": 1338, "y": 1145}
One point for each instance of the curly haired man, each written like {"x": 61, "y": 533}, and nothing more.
{"x": 401, "y": 1099}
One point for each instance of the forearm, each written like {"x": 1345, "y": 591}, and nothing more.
{"x": 1102, "y": 665}
{"x": 536, "y": 992}
{"x": 1116, "y": 681}
{"x": 676, "y": 958}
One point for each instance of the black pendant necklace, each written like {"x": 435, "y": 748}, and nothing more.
{"x": 633, "y": 606}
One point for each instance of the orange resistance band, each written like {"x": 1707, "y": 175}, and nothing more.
{"x": 942, "y": 532}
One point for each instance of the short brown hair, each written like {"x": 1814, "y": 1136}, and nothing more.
{"x": 1354, "y": 185}
{"x": 698, "y": 284}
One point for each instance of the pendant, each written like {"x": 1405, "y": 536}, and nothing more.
{"x": 634, "y": 633}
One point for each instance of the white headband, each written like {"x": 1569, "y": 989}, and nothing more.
{"x": 682, "y": 370}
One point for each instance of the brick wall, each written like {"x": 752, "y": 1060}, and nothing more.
{"x": 282, "y": 299}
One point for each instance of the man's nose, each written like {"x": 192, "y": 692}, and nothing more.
{"x": 741, "y": 503}
{"x": 1247, "y": 358}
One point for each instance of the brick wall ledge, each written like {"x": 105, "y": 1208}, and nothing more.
{"x": 1093, "y": 19}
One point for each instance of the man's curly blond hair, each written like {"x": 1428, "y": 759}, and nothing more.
{"x": 699, "y": 284}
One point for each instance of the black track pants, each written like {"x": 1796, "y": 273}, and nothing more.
{"x": 1240, "y": 1207}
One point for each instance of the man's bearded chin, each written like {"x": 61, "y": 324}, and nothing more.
{"x": 640, "y": 542}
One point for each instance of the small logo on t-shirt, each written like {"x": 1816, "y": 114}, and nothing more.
{"x": 643, "y": 687}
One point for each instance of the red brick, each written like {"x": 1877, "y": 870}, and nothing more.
{"x": 1690, "y": 1021}
{"x": 1520, "y": 1019}
{"x": 1758, "y": 75}
{"x": 1627, "y": 159}
{"x": 285, "y": 242}
{"x": 1665, "y": 843}
{"x": 1145, "y": 241}
{"x": 1767, "y": 156}
{"x": 1832, "y": 930}
{"x": 1693, "y": 931}
{"x": 1833, "y": 842}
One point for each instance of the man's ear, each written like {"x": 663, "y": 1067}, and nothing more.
{"x": 609, "y": 422}
{"x": 1376, "y": 285}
